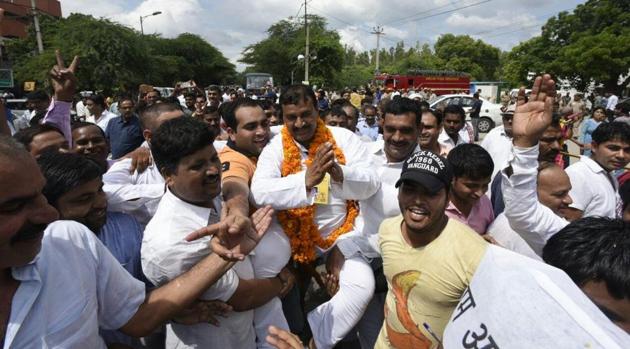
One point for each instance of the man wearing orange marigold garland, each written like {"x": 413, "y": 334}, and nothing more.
{"x": 313, "y": 175}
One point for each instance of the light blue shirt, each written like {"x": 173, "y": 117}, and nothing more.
{"x": 367, "y": 130}
{"x": 73, "y": 287}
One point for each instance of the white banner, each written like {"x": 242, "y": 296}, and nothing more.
{"x": 517, "y": 302}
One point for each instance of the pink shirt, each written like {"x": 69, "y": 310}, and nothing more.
{"x": 480, "y": 217}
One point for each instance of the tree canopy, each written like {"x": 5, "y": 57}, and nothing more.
{"x": 277, "y": 53}
{"x": 113, "y": 56}
{"x": 591, "y": 44}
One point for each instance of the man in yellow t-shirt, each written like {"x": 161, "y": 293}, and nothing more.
{"x": 428, "y": 259}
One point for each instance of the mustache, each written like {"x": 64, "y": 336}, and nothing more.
{"x": 29, "y": 232}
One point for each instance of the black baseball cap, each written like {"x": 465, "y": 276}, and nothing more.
{"x": 428, "y": 169}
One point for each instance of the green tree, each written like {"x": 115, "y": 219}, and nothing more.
{"x": 590, "y": 44}
{"x": 277, "y": 53}
{"x": 463, "y": 53}
{"x": 115, "y": 57}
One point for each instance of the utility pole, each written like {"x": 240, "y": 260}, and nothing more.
{"x": 38, "y": 33}
{"x": 307, "y": 56}
{"x": 378, "y": 31}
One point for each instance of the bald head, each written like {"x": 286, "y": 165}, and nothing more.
{"x": 553, "y": 187}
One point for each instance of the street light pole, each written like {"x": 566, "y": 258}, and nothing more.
{"x": 143, "y": 17}
{"x": 38, "y": 33}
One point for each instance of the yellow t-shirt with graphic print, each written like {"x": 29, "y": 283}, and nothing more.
{"x": 425, "y": 283}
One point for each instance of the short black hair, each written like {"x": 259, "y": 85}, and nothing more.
{"x": 25, "y": 136}
{"x": 229, "y": 112}
{"x": 38, "y": 95}
{"x": 99, "y": 100}
{"x": 336, "y": 110}
{"x": 369, "y": 106}
{"x": 149, "y": 114}
{"x": 403, "y": 105}
{"x": 555, "y": 120}
{"x": 470, "y": 160}
{"x": 189, "y": 95}
{"x": 126, "y": 97}
{"x": 611, "y": 131}
{"x": 81, "y": 124}
{"x": 176, "y": 139}
{"x": 436, "y": 114}
{"x": 593, "y": 249}
{"x": 344, "y": 103}
{"x": 296, "y": 94}
{"x": 214, "y": 88}
{"x": 455, "y": 109}
{"x": 65, "y": 171}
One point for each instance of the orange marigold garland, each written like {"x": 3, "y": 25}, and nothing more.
{"x": 298, "y": 223}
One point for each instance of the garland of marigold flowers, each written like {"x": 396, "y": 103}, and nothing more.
{"x": 299, "y": 223}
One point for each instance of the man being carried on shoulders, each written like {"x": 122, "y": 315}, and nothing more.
{"x": 312, "y": 175}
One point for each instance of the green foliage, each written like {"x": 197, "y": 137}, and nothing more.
{"x": 591, "y": 44}
{"x": 463, "y": 53}
{"x": 277, "y": 54}
{"x": 115, "y": 57}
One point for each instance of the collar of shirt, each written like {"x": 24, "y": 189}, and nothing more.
{"x": 592, "y": 165}
{"x": 132, "y": 120}
{"x": 377, "y": 149}
{"x": 189, "y": 211}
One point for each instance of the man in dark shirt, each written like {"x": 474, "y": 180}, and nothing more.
{"x": 474, "y": 113}
{"x": 124, "y": 132}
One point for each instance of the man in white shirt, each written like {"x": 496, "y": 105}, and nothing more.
{"x": 331, "y": 322}
{"x": 532, "y": 220}
{"x": 430, "y": 132}
{"x": 59, "y": 284}
{"x": 138, "y": 193}
{"x": 455, "y": 130}
{"x": 595, "y": 190}
{"x": 98, "y": 109}
{"x": 183, "y": 150}
{"x": 315, "y": 172}
{"x": 612, "y": 100}
{"x": 498, "y": 142}
{"x": 552, "y": 190}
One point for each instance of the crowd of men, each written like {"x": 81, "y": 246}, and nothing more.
{"x": 209, "y": 220}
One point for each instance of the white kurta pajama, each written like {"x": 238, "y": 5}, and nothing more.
{"x": 360, "y": 181}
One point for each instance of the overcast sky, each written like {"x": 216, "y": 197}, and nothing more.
{"x": 232, "y": 25}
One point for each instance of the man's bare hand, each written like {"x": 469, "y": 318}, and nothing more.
{"x": 532, "y": 118}
{"x": 336, "y": 173}
{"x": 282, "y": 339}
{"x": 288, "y": 281}
{"x": 323, "y": 161}
{"x": 203, "y": 312}
{"x": 64, "y": 82}
{"x": 140, "y": 159}
{"x": 235, "y": 249}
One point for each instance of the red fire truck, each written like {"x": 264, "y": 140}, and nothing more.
{"x": 440, "y": 81}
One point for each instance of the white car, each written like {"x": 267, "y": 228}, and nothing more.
{"x": 489, "y": 116}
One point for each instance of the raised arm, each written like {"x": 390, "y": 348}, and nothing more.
{"x": 64, "y": 84}
{"x": 526, "y": 215}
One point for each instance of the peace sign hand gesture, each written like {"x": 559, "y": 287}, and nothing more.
{"x": 64, "y": 81}
{"x": 532, "y": 118}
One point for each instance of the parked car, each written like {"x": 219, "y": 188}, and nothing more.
{"x": 489, "y": 116}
